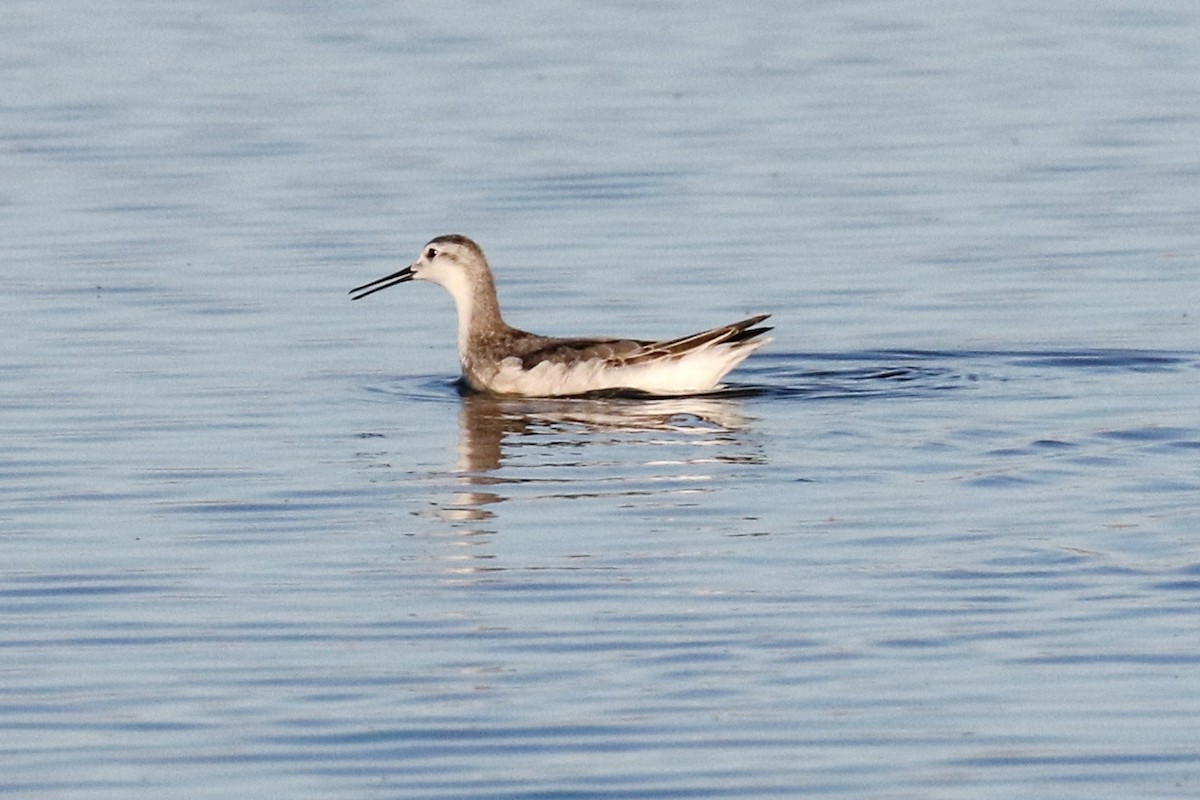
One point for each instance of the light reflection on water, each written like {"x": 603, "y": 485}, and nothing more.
{"x": 938, "y": 540}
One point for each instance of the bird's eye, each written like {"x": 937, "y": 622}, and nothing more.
{"x": 431, "y": 253}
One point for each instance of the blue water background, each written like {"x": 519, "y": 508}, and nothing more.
{"x": 942, "y": 542}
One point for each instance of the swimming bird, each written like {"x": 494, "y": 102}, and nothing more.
{"x": 499, "y": 359}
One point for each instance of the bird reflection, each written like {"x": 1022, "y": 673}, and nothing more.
{"x": 493, "y": 432}
{"x": 487, "y": 422}
{"x": 514, "y": 448}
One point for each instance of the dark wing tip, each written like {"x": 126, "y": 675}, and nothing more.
{"x": 749, "y": 333}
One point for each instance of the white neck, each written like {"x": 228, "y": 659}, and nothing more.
{"x": 478, "y": 311}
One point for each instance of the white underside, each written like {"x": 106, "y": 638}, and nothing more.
{"x": 698, "y": 371}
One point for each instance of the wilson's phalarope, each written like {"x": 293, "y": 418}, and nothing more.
{"x": 500, "y": 359}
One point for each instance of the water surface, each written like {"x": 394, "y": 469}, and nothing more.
{"x": 937, "y": 540}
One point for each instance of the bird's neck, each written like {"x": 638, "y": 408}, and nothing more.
{"x": 478, "y": 314}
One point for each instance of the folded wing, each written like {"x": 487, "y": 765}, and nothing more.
{"x": 627, "y": 352}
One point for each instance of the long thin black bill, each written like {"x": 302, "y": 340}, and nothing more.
{"x": 359, "y": 292}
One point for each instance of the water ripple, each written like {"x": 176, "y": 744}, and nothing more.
{"x": 869, "y": 373}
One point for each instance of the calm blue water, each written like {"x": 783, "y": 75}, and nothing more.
{"x": 941, "y": 540}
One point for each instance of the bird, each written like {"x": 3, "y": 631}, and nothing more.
{"x": 499, "y": 359}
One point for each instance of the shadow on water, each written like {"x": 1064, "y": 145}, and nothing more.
{"x": 916, "y": 373}
{"x": 828, "y": 376}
